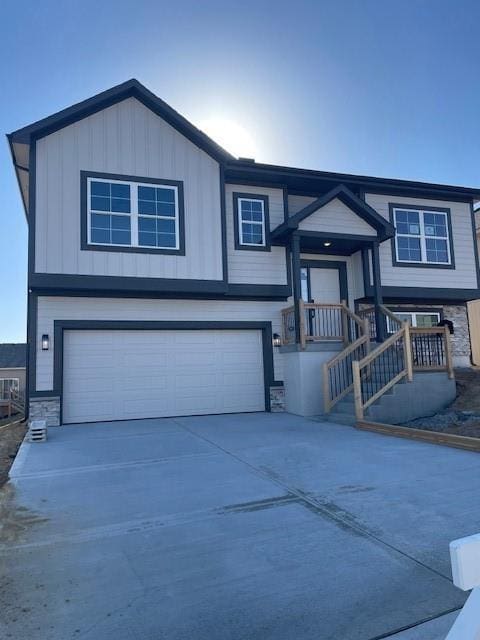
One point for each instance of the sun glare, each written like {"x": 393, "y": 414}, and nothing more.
{"x": 231, "y": 136}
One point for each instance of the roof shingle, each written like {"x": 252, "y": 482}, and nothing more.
{"x": 13, "y": 356}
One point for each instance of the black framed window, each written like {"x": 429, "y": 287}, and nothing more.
{"x": 251, "y": 222}
{"x": 124, "y": 213}
{"x": 423, "y": 236}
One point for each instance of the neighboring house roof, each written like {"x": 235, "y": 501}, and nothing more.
{"x": 342, "y": 193}
{"x": 13, "y": 356}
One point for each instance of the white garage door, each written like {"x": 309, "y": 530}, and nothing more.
{"x": 121, "y": 375}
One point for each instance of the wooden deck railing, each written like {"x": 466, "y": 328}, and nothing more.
{"x": 431, "y": 349}
{"x": 12, "y": 402}
{"x": 321, "y": 322}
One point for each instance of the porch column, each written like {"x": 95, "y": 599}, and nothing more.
{"x": 297, "y": 283}
{"x": 380, "y": 320}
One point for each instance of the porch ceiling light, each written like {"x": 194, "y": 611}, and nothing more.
{"x": 45, "y": 342}
{"x": 327, "y": 244}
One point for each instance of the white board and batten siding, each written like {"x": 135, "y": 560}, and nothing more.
{"x": 297, "y": 203}
{"x": 76, "y": 308}
{"x": 336, "y": 217}
{"x": 121, "y": 375}
{"x": 125, "y": 139}
{"x": 464, "y": 274}
{"x": 255, "y": 267}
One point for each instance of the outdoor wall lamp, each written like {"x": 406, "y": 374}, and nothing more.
{"x": 277, "y": 341}
{"x": 327, "y": 244}
{"x": 45, "y": 342}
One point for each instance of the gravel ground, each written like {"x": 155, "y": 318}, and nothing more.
{"x": 463, "y": 416}
{"x": 464, "y": 423}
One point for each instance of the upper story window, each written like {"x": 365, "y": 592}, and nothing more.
{"x": 422, "y": 236}
{"x": 133, "y": 214}
{"x": 251, "y": 222}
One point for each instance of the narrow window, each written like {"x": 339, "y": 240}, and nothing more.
{"x": 251, "y": 223}
{"x": 157, "y": 217}
{"x": 422, "y": 236}
{"x": 110, "y": 213}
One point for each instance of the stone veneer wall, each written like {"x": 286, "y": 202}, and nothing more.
{"x": 46, "y": 408}
{"x": 277, "y": 399}
{"x": 461, "y": 349}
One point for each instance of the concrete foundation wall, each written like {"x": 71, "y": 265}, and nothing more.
{"x": 427, "y": 394}
{"x": 303, "y": 379}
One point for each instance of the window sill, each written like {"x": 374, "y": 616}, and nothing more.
{"x": 115, "y": 248}
{"x": 422, "y": 265}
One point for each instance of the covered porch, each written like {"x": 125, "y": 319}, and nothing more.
{"x": 333, "y": 245}
{"x": 335, "y": 349}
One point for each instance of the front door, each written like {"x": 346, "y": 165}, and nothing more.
{"x": 323, "y": 286}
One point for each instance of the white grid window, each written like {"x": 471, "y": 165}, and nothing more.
{"x": 251, "y": 222}
{"x": 8, "y": 385}
{"x": 132, "y": 214}
{"x": 423, "y": 319}
{"x": 422, "y": 236}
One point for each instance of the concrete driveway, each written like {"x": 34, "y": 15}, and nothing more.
{"x": 253, "y": 526}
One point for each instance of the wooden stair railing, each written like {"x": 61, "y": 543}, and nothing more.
{"x": 381, "y": 369}
{"x": 338, "y": 372}
{"x": 373, "y": 373}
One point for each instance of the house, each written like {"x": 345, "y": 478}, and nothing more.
{"x": 12, "y": 368}
{"x": 168, "y": 278}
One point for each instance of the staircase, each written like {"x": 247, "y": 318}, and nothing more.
{"x": 408, "y": 375}
{"x": 343, "y": 411}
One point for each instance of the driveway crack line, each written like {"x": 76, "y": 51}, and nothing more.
{"x": 317, "y": 506}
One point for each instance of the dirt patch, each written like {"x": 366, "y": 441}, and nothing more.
{"x": 468, "y": 390}
{"x": 11, "y": 436}
{"x": 14, "y": 519}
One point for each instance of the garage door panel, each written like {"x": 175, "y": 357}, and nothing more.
{"x": 115, "y": 375}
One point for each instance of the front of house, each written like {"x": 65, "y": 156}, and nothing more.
{"x": 159, "y": 265}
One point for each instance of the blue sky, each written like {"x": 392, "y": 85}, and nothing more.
{"x": 376, "y": 87}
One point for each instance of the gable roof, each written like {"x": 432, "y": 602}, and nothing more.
{"x": 13, "y": 355}
{"x": 360, "y": 207}
{"x": 129, "y": 89}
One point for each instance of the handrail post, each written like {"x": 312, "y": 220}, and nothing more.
{"x": 326, "y": 389}
{"x": 343, "y": 312}
{"x": 357, "y": 390}
{"x": 301, "y": 310}
{"x": 448, "y": 353}
{"x": 407, "y": 345}
{"x": 366, "y": 332}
